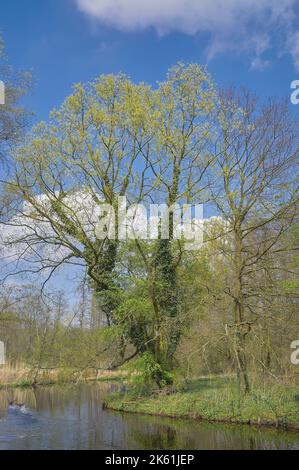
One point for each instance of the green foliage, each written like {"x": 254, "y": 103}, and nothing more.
{"x": 150, "y": 373}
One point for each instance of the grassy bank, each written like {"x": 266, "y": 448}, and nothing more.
{"x": 218, "y": 399}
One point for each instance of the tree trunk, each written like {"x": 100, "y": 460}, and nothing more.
{"x": 240, "y": 334}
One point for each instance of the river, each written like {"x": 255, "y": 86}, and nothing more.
{"x": 72, "y": 417}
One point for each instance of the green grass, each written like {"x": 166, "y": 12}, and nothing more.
{"x": 22, "y": 384}
{"x": 218, "y": 399}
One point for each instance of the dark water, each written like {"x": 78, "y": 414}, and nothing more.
{"x": 71, "y": 417}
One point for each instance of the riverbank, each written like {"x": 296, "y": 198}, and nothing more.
{"x": 217, "y": 400}
{"x": 25, "y": 377}
{"x": 214, "y": 399}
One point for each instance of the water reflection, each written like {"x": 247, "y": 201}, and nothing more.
{"x": 71, "y": 417}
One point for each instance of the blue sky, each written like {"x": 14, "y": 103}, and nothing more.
{"x": 67, "y": 41}
{"x": 244, "y": 42}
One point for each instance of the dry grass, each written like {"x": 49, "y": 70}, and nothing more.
{"x": 21, "y": 375}
{"x": 14, "y": 374}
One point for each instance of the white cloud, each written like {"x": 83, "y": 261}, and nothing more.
{"x": 238, "y": 25}
{"x": 260, "y": 64}
{"x": 187, "y": 16}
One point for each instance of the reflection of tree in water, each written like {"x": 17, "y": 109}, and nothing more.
{"x": 22, "y": 396}
{"x": 154, "y": 437}
{"x": 55, "y": 398}
{"x": 147, "y": 432}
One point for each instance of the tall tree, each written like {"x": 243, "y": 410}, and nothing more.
{"x": 111, "y": 139}
{"x": 254, "y": 189}
{"x": 179, "y": 162}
